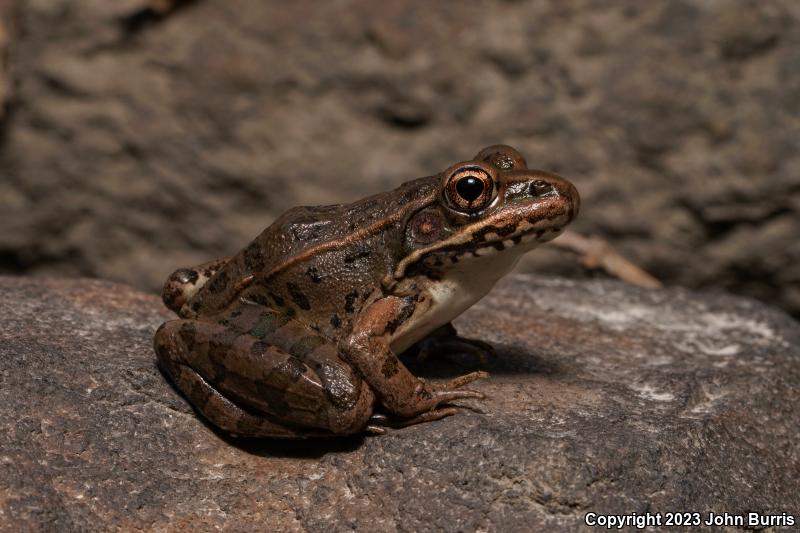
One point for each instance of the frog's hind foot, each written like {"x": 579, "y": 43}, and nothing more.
{"x": 378, "y": 422}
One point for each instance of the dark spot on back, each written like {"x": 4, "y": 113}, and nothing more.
{"x": 277, "y": 299}
{"x": 298, "y": 297}
{"x": 313, "y": 273}
{"x": 349, "y": 300}
{"x": 259, "y": 298}
{"x": 309, "y": 230}
{"x": 336, "y": 322}
{"x": 359, "y": 253}
{"x": 219, "y": 282}
{"x": 253, "y": 259}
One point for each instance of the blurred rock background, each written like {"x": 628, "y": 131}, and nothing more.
{"x": 140, "y": 136}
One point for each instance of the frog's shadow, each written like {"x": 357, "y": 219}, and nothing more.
{"x": 308, "y": 448}
{"x": 508, "y": 359}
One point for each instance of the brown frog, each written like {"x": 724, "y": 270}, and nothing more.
{"x": 298, "y": 334}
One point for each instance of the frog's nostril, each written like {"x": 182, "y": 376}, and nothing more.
{"x": 541, "y": 188}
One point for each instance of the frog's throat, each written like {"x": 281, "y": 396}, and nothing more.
{"x": 525, "y": 235}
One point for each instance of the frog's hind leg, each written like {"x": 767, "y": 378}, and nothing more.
{"x": 249, "y": 387}
{"x": 220, "y": 411}
{"x": 185, "y": 282}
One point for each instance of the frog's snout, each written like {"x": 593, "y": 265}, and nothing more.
{"x": 557, "y": 192}
{"x": 570, "y": 193}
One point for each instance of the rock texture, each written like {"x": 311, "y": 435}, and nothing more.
{"x": 602, "y": 398}
{"x": 177, "y": 130}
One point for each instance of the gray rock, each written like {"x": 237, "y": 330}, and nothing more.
{"x": 140, "y": 142}
{"x": 603, "y": 398}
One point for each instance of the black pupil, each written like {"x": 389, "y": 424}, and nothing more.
{"x": 469, "y": 188}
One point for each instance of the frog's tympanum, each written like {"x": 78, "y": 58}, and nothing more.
{"x": 298, "y": 334}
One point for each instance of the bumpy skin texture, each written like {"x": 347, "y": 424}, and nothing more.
{"x": 298, "y": 334}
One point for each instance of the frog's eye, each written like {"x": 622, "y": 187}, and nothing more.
{"x": 469, "y": 189}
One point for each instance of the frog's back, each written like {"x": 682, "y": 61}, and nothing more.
{"x": 319, "y": 263}
{"x": 301, "y": 233}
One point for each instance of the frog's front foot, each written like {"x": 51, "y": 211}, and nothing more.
{"x": 447, "y": 340}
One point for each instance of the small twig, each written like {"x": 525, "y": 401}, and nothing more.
{"x": 596, "y": 253}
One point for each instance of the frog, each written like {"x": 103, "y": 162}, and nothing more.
{"x": 299, "y": 334}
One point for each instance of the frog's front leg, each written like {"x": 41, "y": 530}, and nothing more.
{"x": 399, "y": 391}
{"x": 247, "y": 386}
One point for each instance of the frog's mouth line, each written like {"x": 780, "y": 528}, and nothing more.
{"x": 487, "y": 240}
{"x": 529, "y": 238}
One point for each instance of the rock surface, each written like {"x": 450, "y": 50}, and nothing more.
{"x": 602, "y": 398}
{"x": 136, "y": 133}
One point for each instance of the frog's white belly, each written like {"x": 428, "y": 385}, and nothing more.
{"x": 460, "y": 288}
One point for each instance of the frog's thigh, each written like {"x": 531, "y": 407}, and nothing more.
{"x": 261, "y": 378}
{"x": 222, "y": 412}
